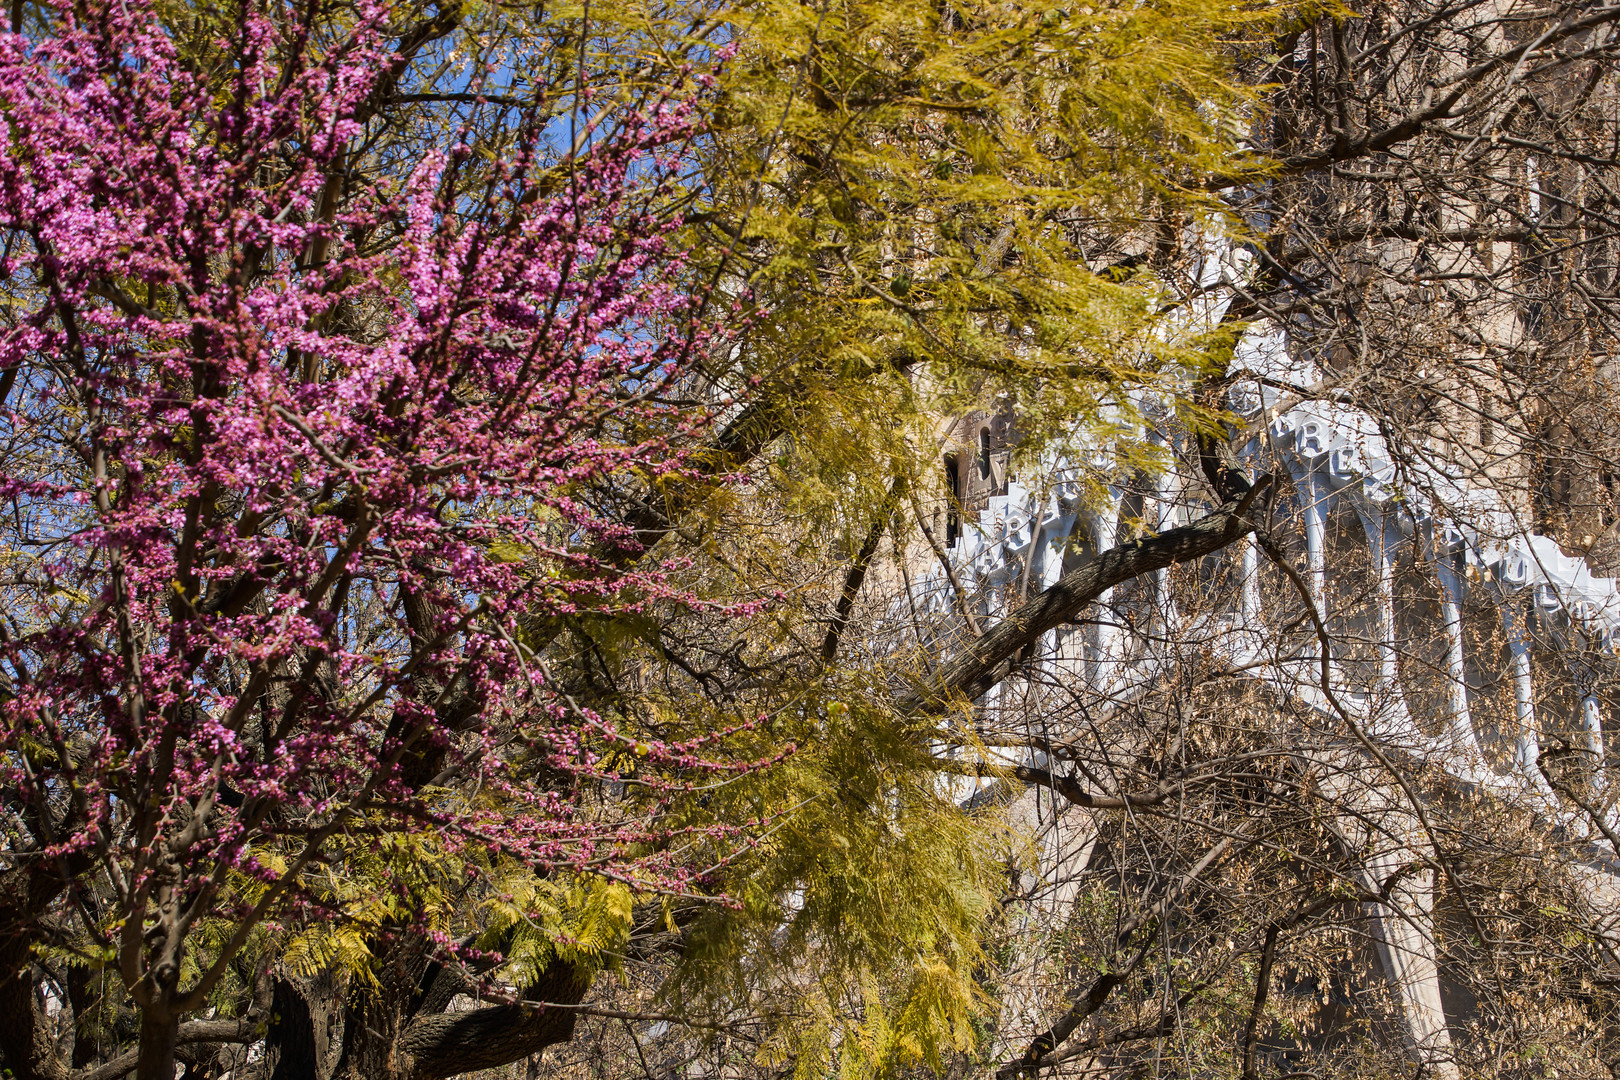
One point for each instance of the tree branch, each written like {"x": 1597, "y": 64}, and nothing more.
{"x": 198, "y": 1031}
{"x": 1103, "y": 985}
{"x": 449, "y": 1044}
{"x": 984, "y": 662}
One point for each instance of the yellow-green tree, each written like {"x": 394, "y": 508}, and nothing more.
{"x": 915, "y": 209}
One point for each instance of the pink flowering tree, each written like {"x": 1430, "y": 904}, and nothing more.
{"x": 295, "y": 435}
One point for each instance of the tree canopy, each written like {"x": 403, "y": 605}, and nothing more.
{"x": 476, "y": 475}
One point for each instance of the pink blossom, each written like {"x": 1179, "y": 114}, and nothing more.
{"x": 291, "y": 463}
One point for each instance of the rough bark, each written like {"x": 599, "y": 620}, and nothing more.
{"x": 292, "y": 1035}
{"x": 26, "y": 1047}
{"x": 433, "y": 1045}
{"x": 155, "y": 1059}
{"x": 26, "y": 892}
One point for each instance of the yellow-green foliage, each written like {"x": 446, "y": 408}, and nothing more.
{"x": 584, "y": 921}
{"x": 370, "y": 884}
{"x": 861, "y": 907}
{"x": 930, "y": 204}
{"x": 905, "y": 184}
{"x": 904, "y": 187}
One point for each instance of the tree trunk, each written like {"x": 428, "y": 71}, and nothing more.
{"x": 26, "y": 1049}
{"x": 291, "y": 1038}
{"x": 156, "y": 1061}
{"x": 450, "y": 1044}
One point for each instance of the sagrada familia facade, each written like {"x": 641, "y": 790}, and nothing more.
{"x": 1429, "y": 578}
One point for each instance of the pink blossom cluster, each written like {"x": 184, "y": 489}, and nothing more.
{"x": 296, "y": 442}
